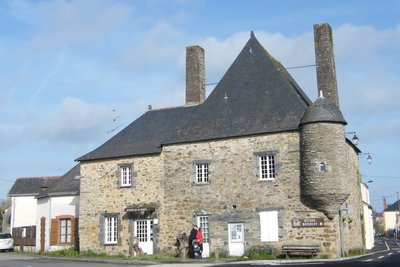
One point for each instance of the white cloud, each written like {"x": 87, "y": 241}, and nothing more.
{"x": 357, "y": 42}
{"x": 158, "y": 44}
{"x": 75, "y": 121}
{"x": 58, "y": 24}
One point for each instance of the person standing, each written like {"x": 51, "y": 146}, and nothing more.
{"x": 192, "y": 236}
{"x": 199, "y": 236}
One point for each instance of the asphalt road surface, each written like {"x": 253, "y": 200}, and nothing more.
{"x": 385, "y": 254}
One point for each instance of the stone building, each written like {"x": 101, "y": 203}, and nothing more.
{"x": 256, "y": 163}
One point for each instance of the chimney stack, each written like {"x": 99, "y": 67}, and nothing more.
{"x": 195, "y": 76}
{"x": 385, "y": 206}
{"x": 325, "y": 60}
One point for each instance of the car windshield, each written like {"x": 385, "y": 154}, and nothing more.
{"x": 4, "y": 236}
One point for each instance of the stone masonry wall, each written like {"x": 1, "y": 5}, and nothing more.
{"x": 233, "y": 181}
{"x": 166, "y": 180}
{"x": 100, "y": 194}
{"x": 352, "y": 218}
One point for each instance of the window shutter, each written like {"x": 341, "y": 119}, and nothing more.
{"x": 54, "y": 232}
{"x": 269, "y": 226}
{"x": 74, "y": 231}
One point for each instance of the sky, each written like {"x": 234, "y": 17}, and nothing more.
{"x": 75, "y": 72}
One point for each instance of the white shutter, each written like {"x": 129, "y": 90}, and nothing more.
{"x": 269, "y": 226}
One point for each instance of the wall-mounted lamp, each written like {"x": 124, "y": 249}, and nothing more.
{"x": 354, "y": 139}
{"x": 369, "y": 158}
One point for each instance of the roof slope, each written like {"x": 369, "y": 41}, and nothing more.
{"x": 31, "y": 186}
{"x": 393, "y": 207}
{"x": 256, "y": 95}
{"x": 67, "y": 185}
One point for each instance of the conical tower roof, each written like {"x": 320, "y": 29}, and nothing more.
{"x": 322, "y": 110}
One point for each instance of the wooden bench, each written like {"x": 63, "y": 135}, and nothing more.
{"x": 300, "y": 249}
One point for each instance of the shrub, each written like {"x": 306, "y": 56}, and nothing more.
{"x": 260, "y": 253}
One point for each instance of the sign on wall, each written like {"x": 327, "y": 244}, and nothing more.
{"x": 308, "y": 222}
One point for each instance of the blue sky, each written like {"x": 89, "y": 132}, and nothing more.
{"x": 69, "y": 68}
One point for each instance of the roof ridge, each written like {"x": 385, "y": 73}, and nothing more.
{"x": 166, "y": 108}
{"x": 38, "y": 177}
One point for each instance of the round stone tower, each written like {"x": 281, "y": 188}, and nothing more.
{"x": 323, "y": 158}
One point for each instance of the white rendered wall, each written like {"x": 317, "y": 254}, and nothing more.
{"x": 50, "y": 208}
{"x": 368, "y": 220}
{"x": 390, "y": 219}
{"x": 43, "y": 210}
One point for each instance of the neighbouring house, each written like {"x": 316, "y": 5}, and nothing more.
{"x": 44, "y": 212}
{"x": 24, "y": 207}
{"x": 256, "y": 163}
{"x": 368, "y": 219}
{"x": 58, "y": 213}
{"x": 391, "y": 220}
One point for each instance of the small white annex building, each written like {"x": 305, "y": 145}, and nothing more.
{"x": 23, "y": 209}
{"x": 44, "y": 212}
{"x": 57, "y": 214}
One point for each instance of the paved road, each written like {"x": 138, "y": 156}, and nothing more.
{"x": 386, "y": 253}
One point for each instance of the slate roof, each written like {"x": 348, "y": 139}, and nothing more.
{"x": 322, "y": 110}
{"x": 31, "y": 186}
{"x": 255, "y": 96}
{"x": 392, "y": 207}
{"x": 67, "y": 185}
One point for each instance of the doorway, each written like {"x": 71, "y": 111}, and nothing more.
{"x": 236, "y": 239}
{"x": 143, "y": 231}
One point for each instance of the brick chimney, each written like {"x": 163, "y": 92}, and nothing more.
{"x": 195, "y": 76}
{"x": 325, "y": 60}
{"x": 385, "y": 206}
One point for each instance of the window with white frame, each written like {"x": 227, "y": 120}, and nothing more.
{"x": 65, "y": 230}
{"x": 111, "y": 230}
{"x": 202, "y": 222}
{"x": 202, "y": 171}
{"x": 266, "y": 163}
{"x": 269, "y": 226}
{"x": 126, "y": 175}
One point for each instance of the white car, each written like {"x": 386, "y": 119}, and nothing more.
{"x": 6, "y": 242}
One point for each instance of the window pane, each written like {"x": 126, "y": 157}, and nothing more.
{"x": 126, "y": 175}
{"x": 111, "y": 230}
{"x": 65, "y": 230}
{"x": 202, "y": 173}
{"x": 267, "y": 167}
